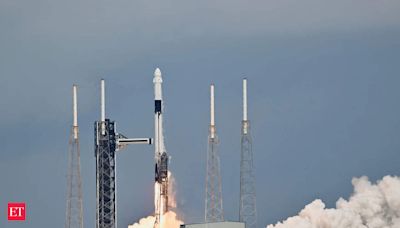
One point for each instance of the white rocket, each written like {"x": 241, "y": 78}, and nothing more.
{"x": 161, "y": 156}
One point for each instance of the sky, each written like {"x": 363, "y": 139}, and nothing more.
{"x": 323, "y": 84}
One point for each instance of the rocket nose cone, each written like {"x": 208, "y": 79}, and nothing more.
{"x": 157, "y": 72}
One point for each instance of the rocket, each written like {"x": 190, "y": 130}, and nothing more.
{"x": 161, "y": 156}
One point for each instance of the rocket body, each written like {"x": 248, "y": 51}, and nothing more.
{"x": 161, "y": 156}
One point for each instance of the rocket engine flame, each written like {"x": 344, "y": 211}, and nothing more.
{"x": 167, "y": 220}
{"x": 370, "y": 206}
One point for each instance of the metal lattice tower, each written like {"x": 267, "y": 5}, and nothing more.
{"x": 105, "y": 174}
{"x": 213, "y": 205}
{"x": 107, "y": 142}
{"x": 248, "y": 209}
{"x": 74, "y": 210}
{"x": 105, "y": 147}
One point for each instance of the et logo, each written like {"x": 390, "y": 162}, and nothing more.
{"x": 16, "y": 211}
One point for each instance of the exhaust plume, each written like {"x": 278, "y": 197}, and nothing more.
{"x": 170, "y": 218}
{"x": 370, "y": 206}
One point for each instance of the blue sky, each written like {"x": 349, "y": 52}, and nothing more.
{"x": 323, "y": 82}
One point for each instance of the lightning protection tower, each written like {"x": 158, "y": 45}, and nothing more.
{"x": 213, "y": 204}
{"x": 74, "y": 210}
{"x": 248, "y": 209}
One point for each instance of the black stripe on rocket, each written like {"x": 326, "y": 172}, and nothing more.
{"x": 157, "y": 106}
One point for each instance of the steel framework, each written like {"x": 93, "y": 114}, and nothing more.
{"x": 248, "y": 209}
{"x": 107, "y": 142}
{"x": 213, "y": 203}
{"x": 74, "y": 207}
{"x": 74, "y": 212}
{"x": 214, "y": 209}
{"x": 105, "y": 147}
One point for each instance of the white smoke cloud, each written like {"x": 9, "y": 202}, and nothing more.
{"x": 169, "y": 219}
{"x": 370, "y": 206}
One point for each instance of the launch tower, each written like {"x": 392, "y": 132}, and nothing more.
{"x": 107, "y": 142}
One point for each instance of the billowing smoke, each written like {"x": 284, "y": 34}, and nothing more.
{"x": 169, "y": 219}
{"x": 370, "y": 206}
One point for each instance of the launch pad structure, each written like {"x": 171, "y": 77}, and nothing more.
{"x": 107, "y": 142}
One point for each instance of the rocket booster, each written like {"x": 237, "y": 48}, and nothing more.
{"x": 161, "y": 156}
